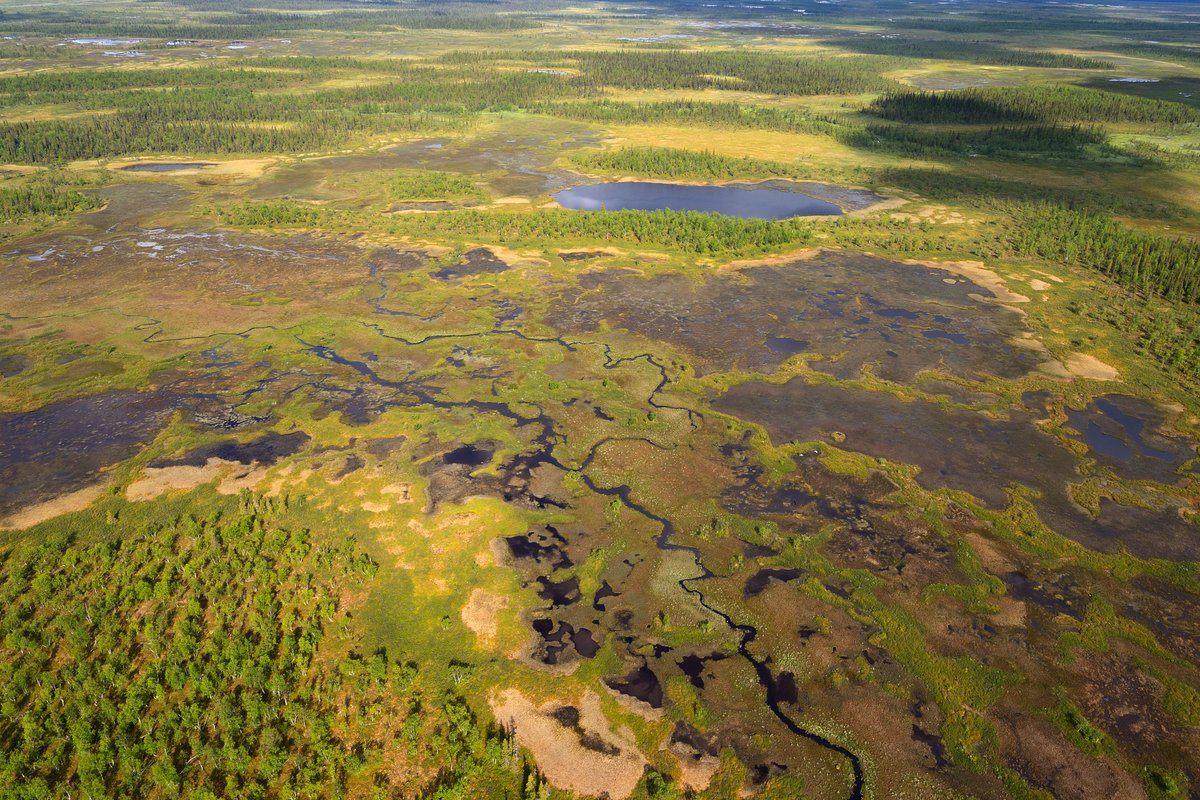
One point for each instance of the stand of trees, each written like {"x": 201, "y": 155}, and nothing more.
{"x": 693, "y": 69}
{"x": 205, "y": 658}
{"x": 670, "y": 162}
{"x": 683, "y": 231}
{"x": 1004, "y": 141}
{"x": 973, "y": 51}
{"x": 1034, "y": 103}
{"x": 692, "y": 112}
{"x": 1147, "y": 263}
{"x": 224, "y": 21}
{"x": 25, "y": 202}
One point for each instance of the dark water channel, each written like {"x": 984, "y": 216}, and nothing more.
{"x": 414, "y": 394}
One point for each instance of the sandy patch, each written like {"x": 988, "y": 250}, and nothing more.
{"x": 513, "y": 200}
{"x": 375, "y": 508}
{"x": 575, "y": 746}
{"x": 157, "y": 481}
{"x": 278, "y": 484}
{"x": 697, "y": 773}
{"x": 480, "y": 615}
{"x": 245, "y": 477}
{"x": 515, "y": 259}
{"x": 804, "y": 254}
{"x": 63, "y": 504}
{"x": 1079, "y": 365}
{"x": 887, "y": 204}
{"x": 402, "y": 491}
{"x": 1038, "y": 285}
{"x": 1082, "y": 365}
{"x": 990, "y": 556}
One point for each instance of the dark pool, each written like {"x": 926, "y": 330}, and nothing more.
{"x": 733, "y": 201}
{"x": 168, "y": 167}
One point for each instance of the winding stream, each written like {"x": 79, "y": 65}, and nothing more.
{"x": 544, "y": 455}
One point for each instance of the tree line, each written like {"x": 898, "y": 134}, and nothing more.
{"x": 976, "y": 52}
{"x": 710, "y": 69}
{"x": 670, "y": 162}
{"x": 1000, "y": 141}
{"x": 689, "y": 232}
{"x": 705, "y": 113}
{"x": 1033, "y": 103}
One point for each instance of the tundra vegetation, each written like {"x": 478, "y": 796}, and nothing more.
{"x": 338, "y": 460}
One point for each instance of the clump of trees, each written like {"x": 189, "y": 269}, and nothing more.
{"x": 670, "y": 162}
{"x": 1003, "y": 141}
{"x": 693, "y": 112}
{"x": 25, "y": 202}
{"x": 976, "y": 52}
{"x": 430, "y": 185}
{"x": 207, "y": 658}
{"x": 1032, "y": 103}
{"x": 690, "y": 232}
{"x": 1145, "y": 262}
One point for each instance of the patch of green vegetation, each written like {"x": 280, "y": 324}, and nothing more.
{"x": 671, "y": 162}
{"x": 415, "y": 186}
{"x": 1033, "y": 103}
{"x": 683, "y": 231}
{"x": 1082, "y": 733}
{"x": 1164, "y": 784}
{"x": 241, "y": 623}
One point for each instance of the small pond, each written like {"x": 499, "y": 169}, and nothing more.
{"x": 733, "y": 201}
{"x": 168, "y": 166}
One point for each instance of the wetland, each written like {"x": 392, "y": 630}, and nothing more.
{"x": 481, "y": 402}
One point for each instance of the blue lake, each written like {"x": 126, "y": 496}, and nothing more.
{"x": 733, "y": 201}
{"x": 168, "y": 167}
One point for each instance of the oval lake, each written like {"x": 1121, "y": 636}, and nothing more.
{"x": 733, "y": 201}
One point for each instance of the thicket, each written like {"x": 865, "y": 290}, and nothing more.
{"x": 976, "y": 52}
{"x": 998, "y": 194}
{"x": 1003, "y": 141}
{"x": 684, "y": 231}
{"x": 690, "y": 69}
{"x": 1046, "y": 104}
{"x": 1144, "y": 262}
{"x": 228, "y": 116}
{"x": 670, "y": 162}
{"x": 56, "y": 86}
{"x": 692, "y": 112}
{"x": 234, "y": 22}
{"x": 209, "y": 658}
{"x": 430, "y": 185}
{"x": 20, "y": 203}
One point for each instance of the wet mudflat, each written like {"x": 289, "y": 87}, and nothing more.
{"x": 130, "y": 203}
{"x": 266, "y": 449}
{"x": 959, "y": 449}
{"x": 733, "y": 201}
{"x": 857, "y": 308}
{"x": 63, "y": 446}
{"x": 1122, "y": 434}
{"x": 515, "y": 165}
